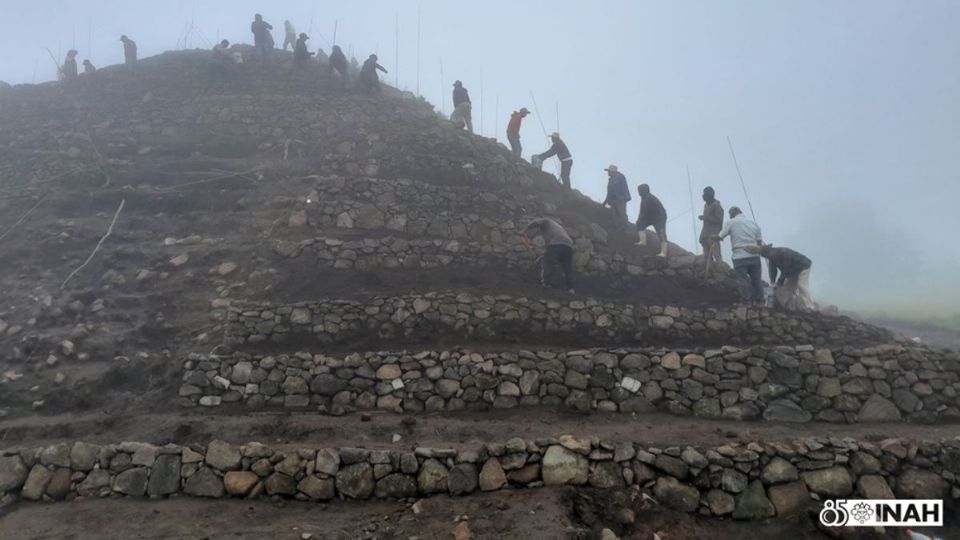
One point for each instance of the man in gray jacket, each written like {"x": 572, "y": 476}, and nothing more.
{"x": 559, "y": 249}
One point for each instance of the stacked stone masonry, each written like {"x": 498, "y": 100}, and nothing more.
{"x": 752, "y": 481}
{"x": 507, "y": 318}
{"x": 792, "y": 384}
{"x": 472, "y": 227}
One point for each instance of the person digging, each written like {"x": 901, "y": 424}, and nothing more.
{"x": 559, "y": 252}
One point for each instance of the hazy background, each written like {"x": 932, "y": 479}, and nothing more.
{"x": 844, "y": 115}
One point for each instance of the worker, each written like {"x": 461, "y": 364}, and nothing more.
{"x": 652, "y": 213}
{"x": 559, "y": 250}
{"x": 300, "y": 53}
{"x": 368, "y": 74}
{"x": 462, "y": 108}
{"x": 262, "y": 39}
{"x": 69, "y": 68}
{"x": 744, "y": 233}
{"x": 712, "y": 219}
{"x": 289, "y": 36}
{"x": 792, "y": 286}
{"x": 338, "y": 62}
{"x": 222, "y": 59}
{"x": 618, "y": 195}
{"x": 129, "y": 51}
{"x": 88, "y": 68}
{"x": 559, "y": 149}
{"x": 513, "y": 131}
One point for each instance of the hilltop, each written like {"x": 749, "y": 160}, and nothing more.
{"x": 317, "y": 297}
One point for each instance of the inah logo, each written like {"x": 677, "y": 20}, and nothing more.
{"x": 882, "y": 513}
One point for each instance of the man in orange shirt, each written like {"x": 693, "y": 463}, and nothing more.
{"x": 513, "y": 130}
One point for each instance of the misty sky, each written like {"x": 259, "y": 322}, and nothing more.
{"x": 844, "y": 114}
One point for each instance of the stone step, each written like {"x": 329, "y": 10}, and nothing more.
{"x": 885, "y": 383}
{"x": 745, "y": 481}
{"x": 465, "y": 316}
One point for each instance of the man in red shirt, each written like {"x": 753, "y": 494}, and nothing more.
{"x": 513, "y": 130}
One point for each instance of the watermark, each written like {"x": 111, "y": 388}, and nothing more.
{"x": 882, "y": 513}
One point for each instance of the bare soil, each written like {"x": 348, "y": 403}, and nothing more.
{"x": 547, "y": 513}
{"x": 376, "y": 430}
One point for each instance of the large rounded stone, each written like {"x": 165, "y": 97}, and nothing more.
{"x": 165, "y": 475}
{"x": 676, "y": 495}
{"x": 833, "y": 482}
{"x": 492, "y": 476}
{"x": 779, "y": 471}
{"x": 433, "y": 477}
{"x": 720, "y": 502}
{"x": 12, "y": 473}
{"x": 878, "y": 409}
{"x": 356, "y": 481}
{"x": 239, "y": 483}
{"x": 131, "y": 482}
{"x": 561, "y": 466}
{"x": 788, "y": 498}
{"x": 921, "y": 484}
{"x": 606, "y": 475}
{"x": 396, "y": 486}
{"x": 280, "y": 484}
{"x": 782, "y": 410}
{"x": 204, "y": 483}
{"x": 753, "y": 503}
{"x": 223, "y": 456}
{"x": 317, "y": 488}
{"x": 36, "y": 483}
{"x": 462, "y": 479}
{"x": 59, "y": 485}
{"x": 83, "y": 456}
{"x": 874, "y": 486}
{"x": 327, "y": 385}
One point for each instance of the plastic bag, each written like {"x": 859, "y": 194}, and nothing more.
{"x": 536, "y": 161}
{"x": 642, "y": 237}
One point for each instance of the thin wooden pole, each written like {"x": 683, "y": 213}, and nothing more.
{"x": 496, "y": 118}
{"x": 335, "y": 32}
{"x": 481, "y": 100}
{"x": 418, "y": 48}
{"x": 313, "y": 11}
{"x": 443, "y": 91}
{"x": 396, "y": 62}
{"x": 693, "y": 214}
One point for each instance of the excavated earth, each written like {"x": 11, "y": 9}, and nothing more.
{"x": 277, "y": 187}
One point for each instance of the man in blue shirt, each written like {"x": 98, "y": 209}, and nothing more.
{"x": 745, "y": 236}
{"x": 618, "y": 194}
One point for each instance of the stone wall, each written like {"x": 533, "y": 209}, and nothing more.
{"x": 437, "y": 225}
{"x": 751, "y": 481}
{"x": 505, "y": 318}
{"x": 792, "y": 384}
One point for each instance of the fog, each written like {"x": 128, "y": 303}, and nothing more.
{"x": 844, "y": 115}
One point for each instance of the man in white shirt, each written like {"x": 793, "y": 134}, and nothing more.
{"x": 746, "y": 265}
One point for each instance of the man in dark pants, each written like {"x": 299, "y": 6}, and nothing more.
{"x": 559, "y": 249}
{"x": 513, "y": 131}
{"x": 745, "y": 235}
{"x": 301, "y": 55}
{"x": 129, "y": 51}
{"x": 369, "y": 80}
{"x": 618, "y": 195}
{"x": 652, "y": 213}
{"x": 338, "y": 62}
{"x": 69, "y": 68}
{"x": 559, "y": 149}
{"x": 712, "y": 219}
{"x": 262, "y": 40}
{"x": 792, "y": 286}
